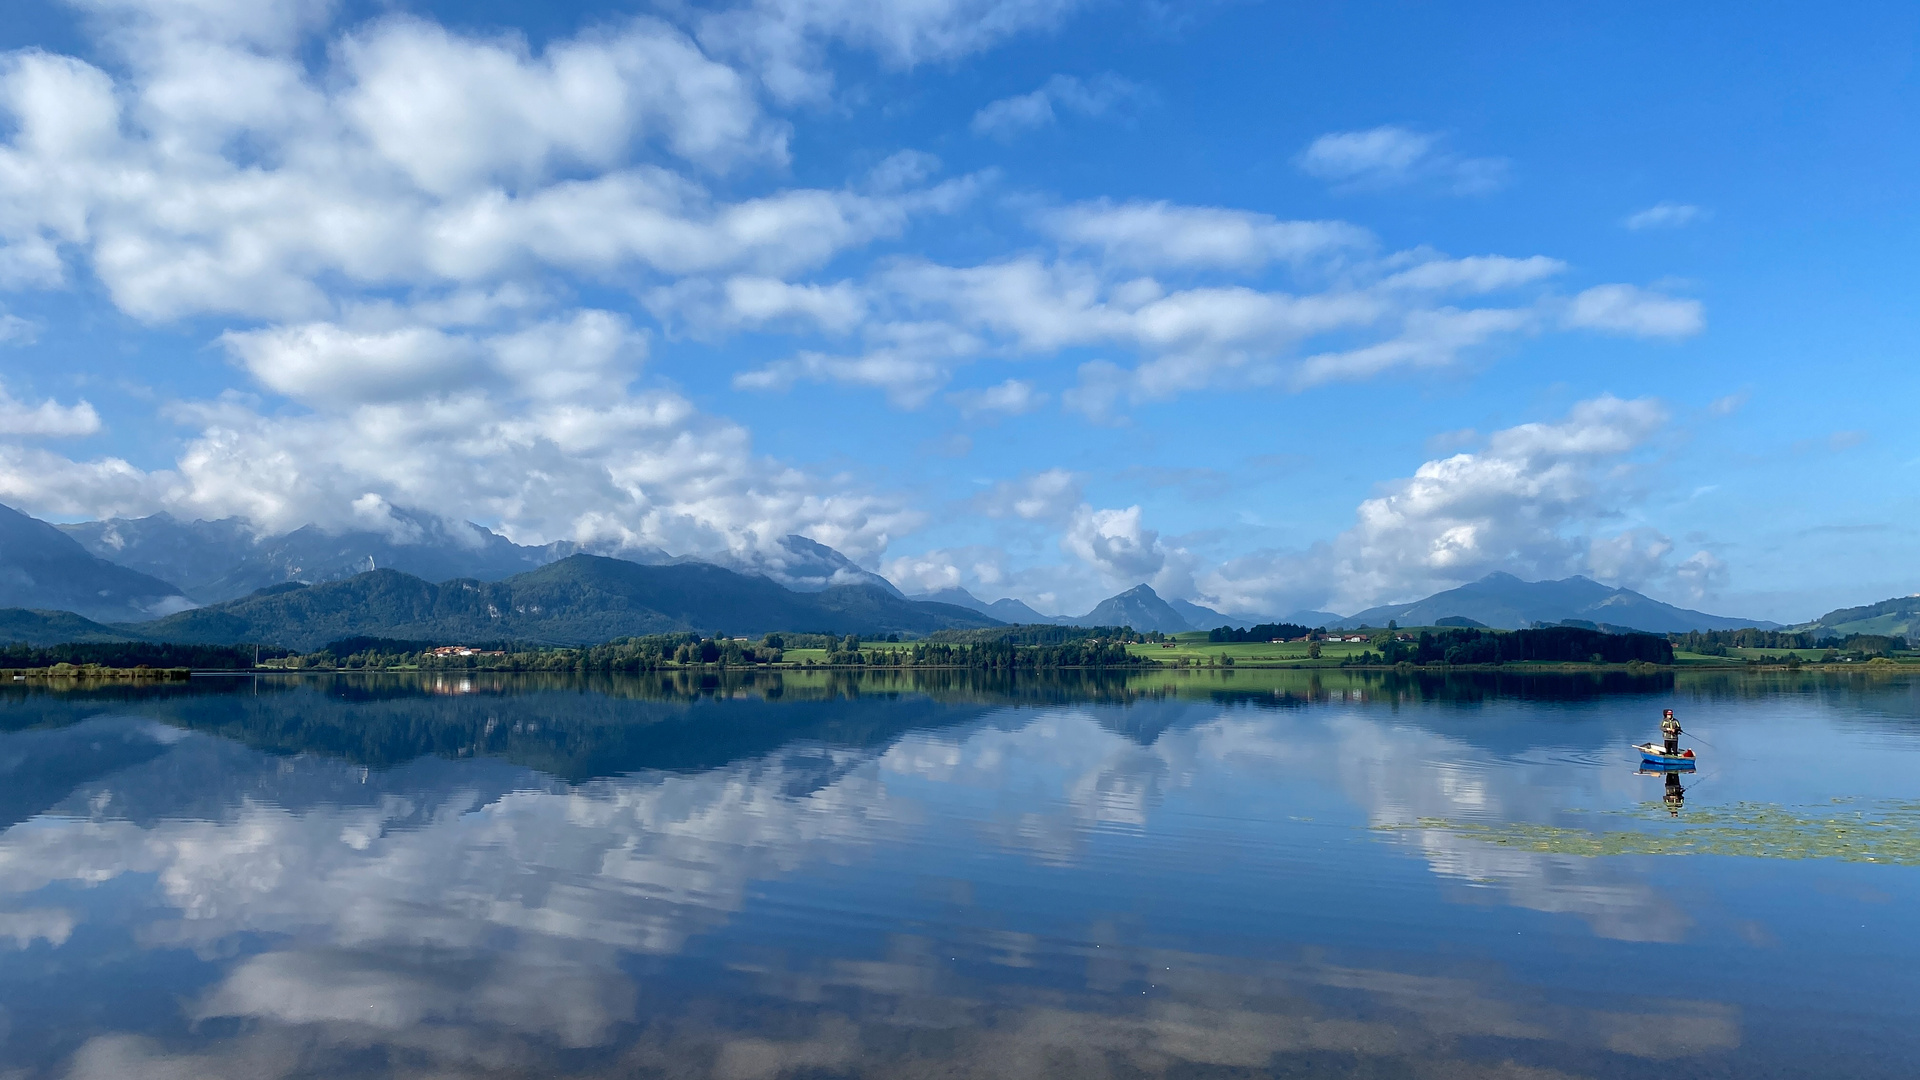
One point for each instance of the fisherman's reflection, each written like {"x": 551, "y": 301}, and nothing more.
{"x": 1675, "y": 794}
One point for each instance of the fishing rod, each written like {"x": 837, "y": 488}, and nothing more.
{"x": 1698, "y": 739}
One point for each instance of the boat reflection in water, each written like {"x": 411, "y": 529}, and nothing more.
{"x": 1674, "y": 796}
{"x": 1170, "y": 875}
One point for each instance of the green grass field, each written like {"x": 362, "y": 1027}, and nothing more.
{"x": 1739, "y": 657}
{"x": 1196, "y": 649}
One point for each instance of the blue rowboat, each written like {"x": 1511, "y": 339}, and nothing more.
{"x": 1655, "y": 756}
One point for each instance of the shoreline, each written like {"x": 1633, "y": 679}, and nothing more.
{"x": 1525, "y": 667}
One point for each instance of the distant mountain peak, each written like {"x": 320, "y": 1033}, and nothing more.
{"x": 1139, "y": 607}
{"x": 1507, "y": 602}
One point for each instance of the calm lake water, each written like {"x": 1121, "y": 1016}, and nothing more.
{"x": 1251, "y": 874}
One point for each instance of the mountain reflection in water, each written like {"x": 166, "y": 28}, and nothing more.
{"x": 1266, "y": 873}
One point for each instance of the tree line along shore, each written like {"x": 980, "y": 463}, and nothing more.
{"x": 1017, "y": 648}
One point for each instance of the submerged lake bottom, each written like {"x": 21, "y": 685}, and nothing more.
{"x": 1194, "y": 874}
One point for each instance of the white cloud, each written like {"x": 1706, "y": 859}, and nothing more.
{"x": 1475, "y": 274}
{"x": 1392, "y": 156}
{"x": 15, "y": 330}
{"x": 1730, "y": 403}
{"x": 1702, "y": 575}
{"x": 1636, "y": 312}
{"x": 1387, "y": 313}
{"x": 1062, "y": 93}
{"x": 982, "y": 569}
{"x": 396, "y": 216}
{"x": 747, "y": 301}
{"x": 1348, "y": 155}
{"x": 927, "y": 572}
{"x": 325, "y": 362}
{"x": 1631, "y": 558}
{"x": 783, "y": 40}
{"x": 40, "y": 481}
{"x": 1114, "y": 542}
{"x": 1665, "y": 215}
{"x": 1428, "y": 339}
{"x": 554, "y": 455}
{"x": 407, "y": 214}
{"x": 577, "y": 358}
{"x": 421, "y": 158}
{"x": 910, "y": 361}
{"x": 1526, "y": 503}
{"x": 48, "y": 418}
{"x": 265, "y": 24}
{"x": 456, "y": 114}
{"x": 1153, "y": 235}
{"x": 51, "y": 925}
{"x": 1106, "y": 549}
{"x": 1048, "y": 496}
{"x": 1011, "y": 398}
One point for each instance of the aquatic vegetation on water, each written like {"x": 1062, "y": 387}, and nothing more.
{"x": 1879, "y": 832}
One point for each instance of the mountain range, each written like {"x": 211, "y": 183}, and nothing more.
{"x": 1505, "y": 602}
{"x": 42, "y": 567}
{"x": 214, "y": 561}
{"x": 579, "y": 600}
{"x": 143, "y": 577}
{"x": 1139, "y": 607}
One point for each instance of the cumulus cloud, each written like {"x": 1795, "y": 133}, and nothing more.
{"x": 980, "y": 568}
{"x": 455, "y": 113}
{"x": 392, "y": 228}
{"x": 1392, "y": 156}
{"x": 1093, "y": 97}
{"x": 323, "y": 361}
{"x": 1635, "y": 312}
{"x": 421, "y": 158}
{"x": 626, "y": 468}
{"x": 393, "y": 223}
{"x": 48, "y": 418}
{"x": 1663, "y": 215}
{"x": 538, "y": 428}
{"x": 1115, "y": 542}
{"x": 1534, "y": 500}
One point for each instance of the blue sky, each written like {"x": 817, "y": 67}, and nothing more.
{"x": 1272, "y": 308}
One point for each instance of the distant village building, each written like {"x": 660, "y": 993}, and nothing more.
{"x": 464, "y": 650}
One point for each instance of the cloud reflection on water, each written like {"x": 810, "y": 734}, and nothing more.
{"x": 475, "y": 919}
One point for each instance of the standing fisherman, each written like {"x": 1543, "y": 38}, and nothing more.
{"x": 1670, "y": 730}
